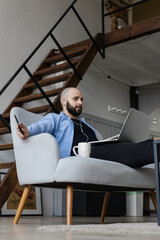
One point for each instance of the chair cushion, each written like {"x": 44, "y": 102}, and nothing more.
{"x": 95, "y": 171}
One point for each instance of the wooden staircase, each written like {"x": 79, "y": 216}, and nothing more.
{"x": 55, "y": 74}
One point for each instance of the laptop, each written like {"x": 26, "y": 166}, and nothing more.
{"x": 135, "y": 128}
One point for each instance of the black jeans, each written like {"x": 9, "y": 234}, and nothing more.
{"x": 134, "y": 155}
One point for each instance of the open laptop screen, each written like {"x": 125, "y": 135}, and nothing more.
{"x": 135, "y": 128}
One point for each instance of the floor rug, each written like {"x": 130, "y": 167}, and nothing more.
{"x": 110, "y": 229}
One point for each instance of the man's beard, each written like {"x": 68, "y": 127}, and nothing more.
{"x": 73, "y": 110}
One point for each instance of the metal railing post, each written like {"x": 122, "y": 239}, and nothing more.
{"x": 103, "y": 29}
{"x": 65, "y": 55}
{"x": 157, "y": 177}
{"x": 86, "y": 29}
{"x": 5, "y": 122}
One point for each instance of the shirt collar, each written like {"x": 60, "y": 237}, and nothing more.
{"x": 63, "y": 114}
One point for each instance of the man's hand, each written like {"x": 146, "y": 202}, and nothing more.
{"x": 25, "y": 131}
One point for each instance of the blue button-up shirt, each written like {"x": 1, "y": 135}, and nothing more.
{"x": 61, "y": 127}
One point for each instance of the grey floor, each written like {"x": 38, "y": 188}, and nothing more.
{"x": 28, "y": 228}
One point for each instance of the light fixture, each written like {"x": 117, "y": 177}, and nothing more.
{"x": 117, "y": 110}
{"x": 154, "y": 121}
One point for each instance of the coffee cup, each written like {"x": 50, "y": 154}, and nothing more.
{"x": 84, "y": 149}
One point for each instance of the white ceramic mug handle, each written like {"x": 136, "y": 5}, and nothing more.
{"x": 75, "y": 150}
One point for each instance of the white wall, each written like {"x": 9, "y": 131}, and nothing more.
{"x": 99, "y": 92}
{"x": 149, "y": 103}
{"x": 149, "y": 98}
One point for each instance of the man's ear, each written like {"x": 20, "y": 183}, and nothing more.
{"x": 64, "y": 102}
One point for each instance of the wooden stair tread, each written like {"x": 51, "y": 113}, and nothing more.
{"x": 81, "y": 67}
{"x": 4, "y": 130}
{"x": 7, "y": 184}
{"x": 72, "y": 53}
{"x": 49, "y": 81}
{"x": 84, "y": 43}
{"x": 37, "y": 96}
{"x": 6, "y": 146}
{"x": 6, "y": 165}
{"x": 54, "y": 69}
{"x": 40, "y": 109}
{"x": 6, "y": 115}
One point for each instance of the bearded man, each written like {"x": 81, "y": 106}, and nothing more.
{"x": 69, "y": 130}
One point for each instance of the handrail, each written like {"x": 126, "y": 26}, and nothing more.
{"x": 53, "y": 38}
{"x": 36, "y": 49}
{"x": 40, "y": 89}
{"x": 49, "y": 34}
{"x": 65, "y": 55}
{"x": 87, "y": 31}
{"x": 23, "y": 66}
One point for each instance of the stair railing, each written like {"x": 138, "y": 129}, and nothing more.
{"x": 50, "y": 34}
{"x": 5, "y": 122}
{"x": 36, "y": 49}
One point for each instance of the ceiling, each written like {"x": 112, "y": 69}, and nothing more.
{"x": 134, "y": 63}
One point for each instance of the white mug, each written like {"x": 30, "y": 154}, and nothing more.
{"x": 84, "y": 149}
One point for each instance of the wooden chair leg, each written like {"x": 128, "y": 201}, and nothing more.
{"x": 153, "y": 197}
{"x": 22, "y": 203}
{"x": 69, "y": 203}
{"x": 105, "y": 205}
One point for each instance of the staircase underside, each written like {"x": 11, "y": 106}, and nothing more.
{"x": 53, "y": 75}
{"x": 54, "y": 70}
{"x": 133, "y": 31}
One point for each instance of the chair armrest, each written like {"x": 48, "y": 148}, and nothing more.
{"x": 36, "y": 158}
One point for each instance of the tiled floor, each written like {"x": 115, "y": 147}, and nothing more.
{"x": 27, "y": 229}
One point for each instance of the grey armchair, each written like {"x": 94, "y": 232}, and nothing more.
{"x": 38, "y": 164}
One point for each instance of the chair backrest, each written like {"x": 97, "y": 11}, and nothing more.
{"x": 37, "y": 156}
{"x": 23, "y": 116}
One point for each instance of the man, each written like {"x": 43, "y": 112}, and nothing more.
{"x": 69, "y": 130}
{"x": 61, "y": 126}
